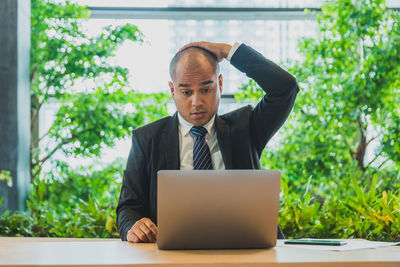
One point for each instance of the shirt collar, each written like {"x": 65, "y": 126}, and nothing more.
{"x": 185, "y": 126}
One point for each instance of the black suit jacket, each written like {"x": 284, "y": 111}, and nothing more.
{"x": 242, "y": 135}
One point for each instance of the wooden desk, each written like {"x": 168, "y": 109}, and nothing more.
{"x": 15, "y": 251}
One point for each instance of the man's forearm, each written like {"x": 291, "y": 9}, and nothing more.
{"x": 269, "y": 76}
{"x": 281, "y": 90}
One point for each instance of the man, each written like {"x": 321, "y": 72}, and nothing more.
{"x": 195, "y": 137}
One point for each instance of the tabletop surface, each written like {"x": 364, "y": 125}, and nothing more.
{"x": 17, "y": 251}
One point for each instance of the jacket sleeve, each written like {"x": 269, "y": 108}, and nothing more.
{"x": 280, "y": 87}
{"x": 133, "y": 201}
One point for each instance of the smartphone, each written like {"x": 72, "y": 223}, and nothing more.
{"x": 323, "y": 242}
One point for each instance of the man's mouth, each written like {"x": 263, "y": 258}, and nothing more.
{"x": 198, "y": 114}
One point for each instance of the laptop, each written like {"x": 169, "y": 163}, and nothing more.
{"x": 217, "y": 209}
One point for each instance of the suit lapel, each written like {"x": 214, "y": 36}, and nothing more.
{"x": 224, "y": 141}
{"x": 170, "y": 144}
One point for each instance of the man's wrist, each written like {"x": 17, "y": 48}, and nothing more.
{"x": 233, "y": 50}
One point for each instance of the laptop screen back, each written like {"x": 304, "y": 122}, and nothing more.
{"x": 208, "y": 209}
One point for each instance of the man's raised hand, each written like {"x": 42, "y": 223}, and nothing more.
{"x": 220, "y": 50}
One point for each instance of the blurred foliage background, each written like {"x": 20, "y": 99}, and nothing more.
{"x": 339, "y": 152}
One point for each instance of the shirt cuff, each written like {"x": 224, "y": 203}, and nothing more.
{"x": 233, "y": 50}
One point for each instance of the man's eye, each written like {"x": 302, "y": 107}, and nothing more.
{"x": 206, "y": 90}
{"x": 186, "y": 93}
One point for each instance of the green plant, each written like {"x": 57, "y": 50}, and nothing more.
{"x": 95, "y": 108}
{"x": 349, "y": 211}
{"x": 339, "y": 152}
{"x": 348, "y": 101}
{"x": 81, "y": 203}
{"x": 73, "y": 70}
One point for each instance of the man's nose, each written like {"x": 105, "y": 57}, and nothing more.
{"x": 197, "y": 100}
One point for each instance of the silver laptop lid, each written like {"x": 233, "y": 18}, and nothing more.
{"x": 207, "y": 209}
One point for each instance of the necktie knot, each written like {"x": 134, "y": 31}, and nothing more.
{"x": 198, "y": 131}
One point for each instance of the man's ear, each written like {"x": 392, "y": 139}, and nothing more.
{"x": 171, "y": 88}
{"x": 220, "y": 83}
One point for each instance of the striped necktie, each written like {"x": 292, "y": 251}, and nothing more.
{"x": 201, "y": 152}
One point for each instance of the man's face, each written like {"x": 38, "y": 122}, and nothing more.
{"x": 196, "y": 90}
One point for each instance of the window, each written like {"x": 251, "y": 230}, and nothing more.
{"x": 268, "y": 26}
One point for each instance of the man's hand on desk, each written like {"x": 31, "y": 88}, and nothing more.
{"x": 143, "y": 231}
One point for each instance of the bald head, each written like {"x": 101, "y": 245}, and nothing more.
{"x": 193, "y": 57}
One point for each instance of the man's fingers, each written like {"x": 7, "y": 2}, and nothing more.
{"x": 143, "y": 230}
{"x": 152, "y": 227}
{"x": 202, "y": 44}
{"x": 220, "y": 50}
{"x": 189, "y": 45}
{"x": 142, "y": 236}
{"x": 131, "y": 237}
{"x": 148, "y": 233}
